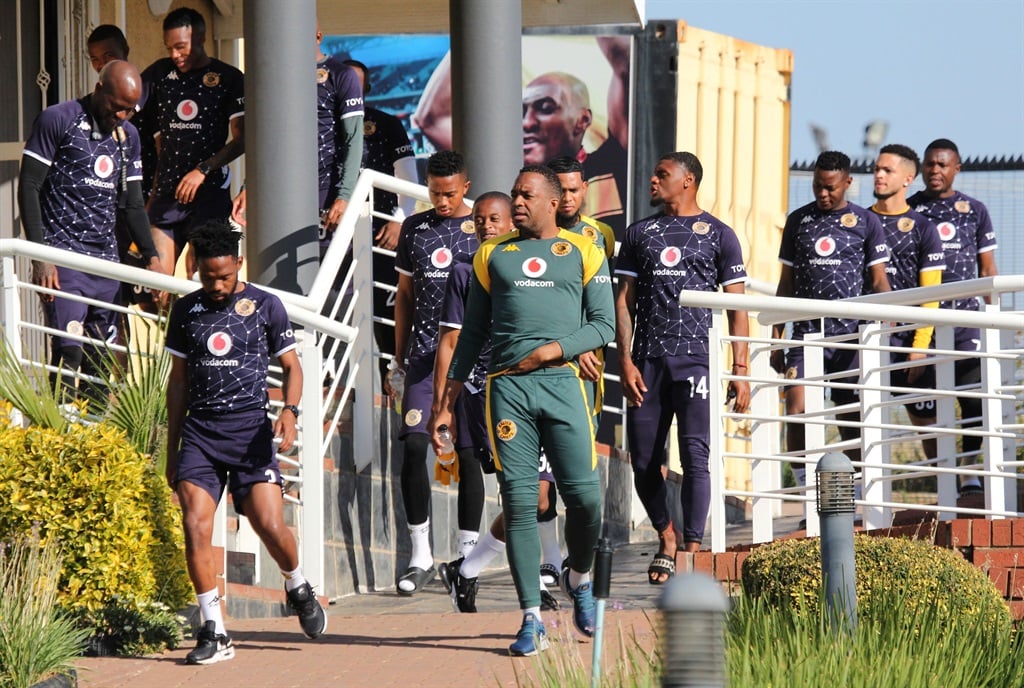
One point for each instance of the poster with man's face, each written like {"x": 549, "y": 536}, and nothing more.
{"x": 575, "y": 102}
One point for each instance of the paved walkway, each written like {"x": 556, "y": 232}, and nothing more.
{"x": 379, "y": 639}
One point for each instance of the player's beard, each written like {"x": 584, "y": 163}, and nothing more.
{"x": 883, "y": 196}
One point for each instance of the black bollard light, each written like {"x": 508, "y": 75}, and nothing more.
{"x": 694, "y": 607}
{"x": 835, "y": 494}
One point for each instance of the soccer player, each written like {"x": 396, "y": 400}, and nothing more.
{"x": 492, "y": 216}
{"x": 916, "y": 259}
{"x": 194, "y": 101}
{"x": 430, "y": 243}
{"x": 663, "y": 346}
{"x": 535, "y": 396}
{"x": 221, "y": 338}
{"x": 831, "y": 249}
{"x": 574, "y": 191}
{"x": 969, "y": 242}
{"x": 81, "y": 162}
{"x": 386, "y": 149}
{"x": 105, "y": 44}
{"x": 339, "y": 114}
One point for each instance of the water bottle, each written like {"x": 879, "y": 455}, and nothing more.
{"x": 447, "y": 454}
{"x": 396, "y": 380}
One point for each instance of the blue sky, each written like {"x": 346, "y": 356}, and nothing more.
{"x": 942, "y": 68}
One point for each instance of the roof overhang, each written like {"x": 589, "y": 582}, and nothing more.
{"x": 432, "y": 16}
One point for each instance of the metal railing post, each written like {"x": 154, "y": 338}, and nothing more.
{"x": 311, "y": 527}
{"x": 992, "y": 447}
{"x": 945, "y": 417}
{"x": 765, "y": 475}
{"x": 814, "y": 432}
{"x": 874, "y": 450}
{"x": 716, "y": 441}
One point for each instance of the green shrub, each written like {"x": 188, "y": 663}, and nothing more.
{"x": 36, "y": 639}
{"x": 788, "y": 573}
{"x": 89, "y": 491}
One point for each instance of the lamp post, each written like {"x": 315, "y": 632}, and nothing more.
{"x": 835, "y": 493}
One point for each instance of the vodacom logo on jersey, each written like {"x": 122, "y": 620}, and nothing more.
{"x": 187, "y": 110}
{"x": 103, "y": 167}
{"x": 947, "y": 230}
{"x": 441, "y": 257}
{"x": 825, "y": 246}
{"x": 219, "y": 343}
{"x": 534, "y": 267}
{"x": 670, "y": 256}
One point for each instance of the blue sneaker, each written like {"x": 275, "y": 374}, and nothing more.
{"x": 530, "y": 639}
{"x": 584, "y": 610}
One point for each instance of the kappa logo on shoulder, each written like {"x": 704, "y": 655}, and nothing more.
{"x": 197, "y": 308}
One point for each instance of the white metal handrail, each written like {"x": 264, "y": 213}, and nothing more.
{"x": 998, "y": 392}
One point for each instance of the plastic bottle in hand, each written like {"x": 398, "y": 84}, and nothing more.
{"x": 396, "y": 380}
{"x": 447, "y": 455}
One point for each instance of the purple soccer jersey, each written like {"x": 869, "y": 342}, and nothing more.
{"x": 80, "y": 194}
{"x": 830, "y": 253}
{"x": 339, "y": 96}
{"x": 385, "y": 142}
{"x": 914, "y": 247}
{"x": 965, "y": 230}
{"x": 453, "y": 314}
{"x": 228, "y": 346}
{"x": 190, "y": 112}
{"x": 428, "y": 246}
{"x": 666, "y": 254}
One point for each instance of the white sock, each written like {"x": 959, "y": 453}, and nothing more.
{"x": 209, "y": 609}
{"x": 532, "y": 610}
{"x": 576, "y": 579}
{"x": 293, "y": 579}
{"x": 543, "y": 585}
{"x": 550, "y": 549}
{"x": 467, "y": 541}
{"x": 482, "y": 555}
{"x": 969, "y": 482}
{"x": 421, "y": 554}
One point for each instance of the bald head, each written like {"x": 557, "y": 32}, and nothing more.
{"x": 556, "y": 115}
{"x": 118, "y": 90}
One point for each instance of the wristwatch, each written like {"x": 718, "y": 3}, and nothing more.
{"x": 204, "y": 168}
{"x": 293, "y": 408}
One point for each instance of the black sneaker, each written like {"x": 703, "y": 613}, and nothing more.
{"x": 311, "y": 615}
{"x": 211, "y": 646}
{"x": 462, "y": 590}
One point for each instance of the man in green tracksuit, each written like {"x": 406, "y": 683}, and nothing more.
{"x": 543, "y": 296}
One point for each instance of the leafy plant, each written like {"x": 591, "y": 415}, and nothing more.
{"x": 28, "y": 389}
{"x": 126, "y": 627}
{"x": 788, "y": 572}
{"x": 138, "y": 390}
{"x": 92, "y": 493}
{"x": 36, "y": 639}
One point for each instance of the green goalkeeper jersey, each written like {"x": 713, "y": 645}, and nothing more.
{"x": 529, "y": 292}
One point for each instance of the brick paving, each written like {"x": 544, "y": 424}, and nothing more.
{"x": 380, "y": 639}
